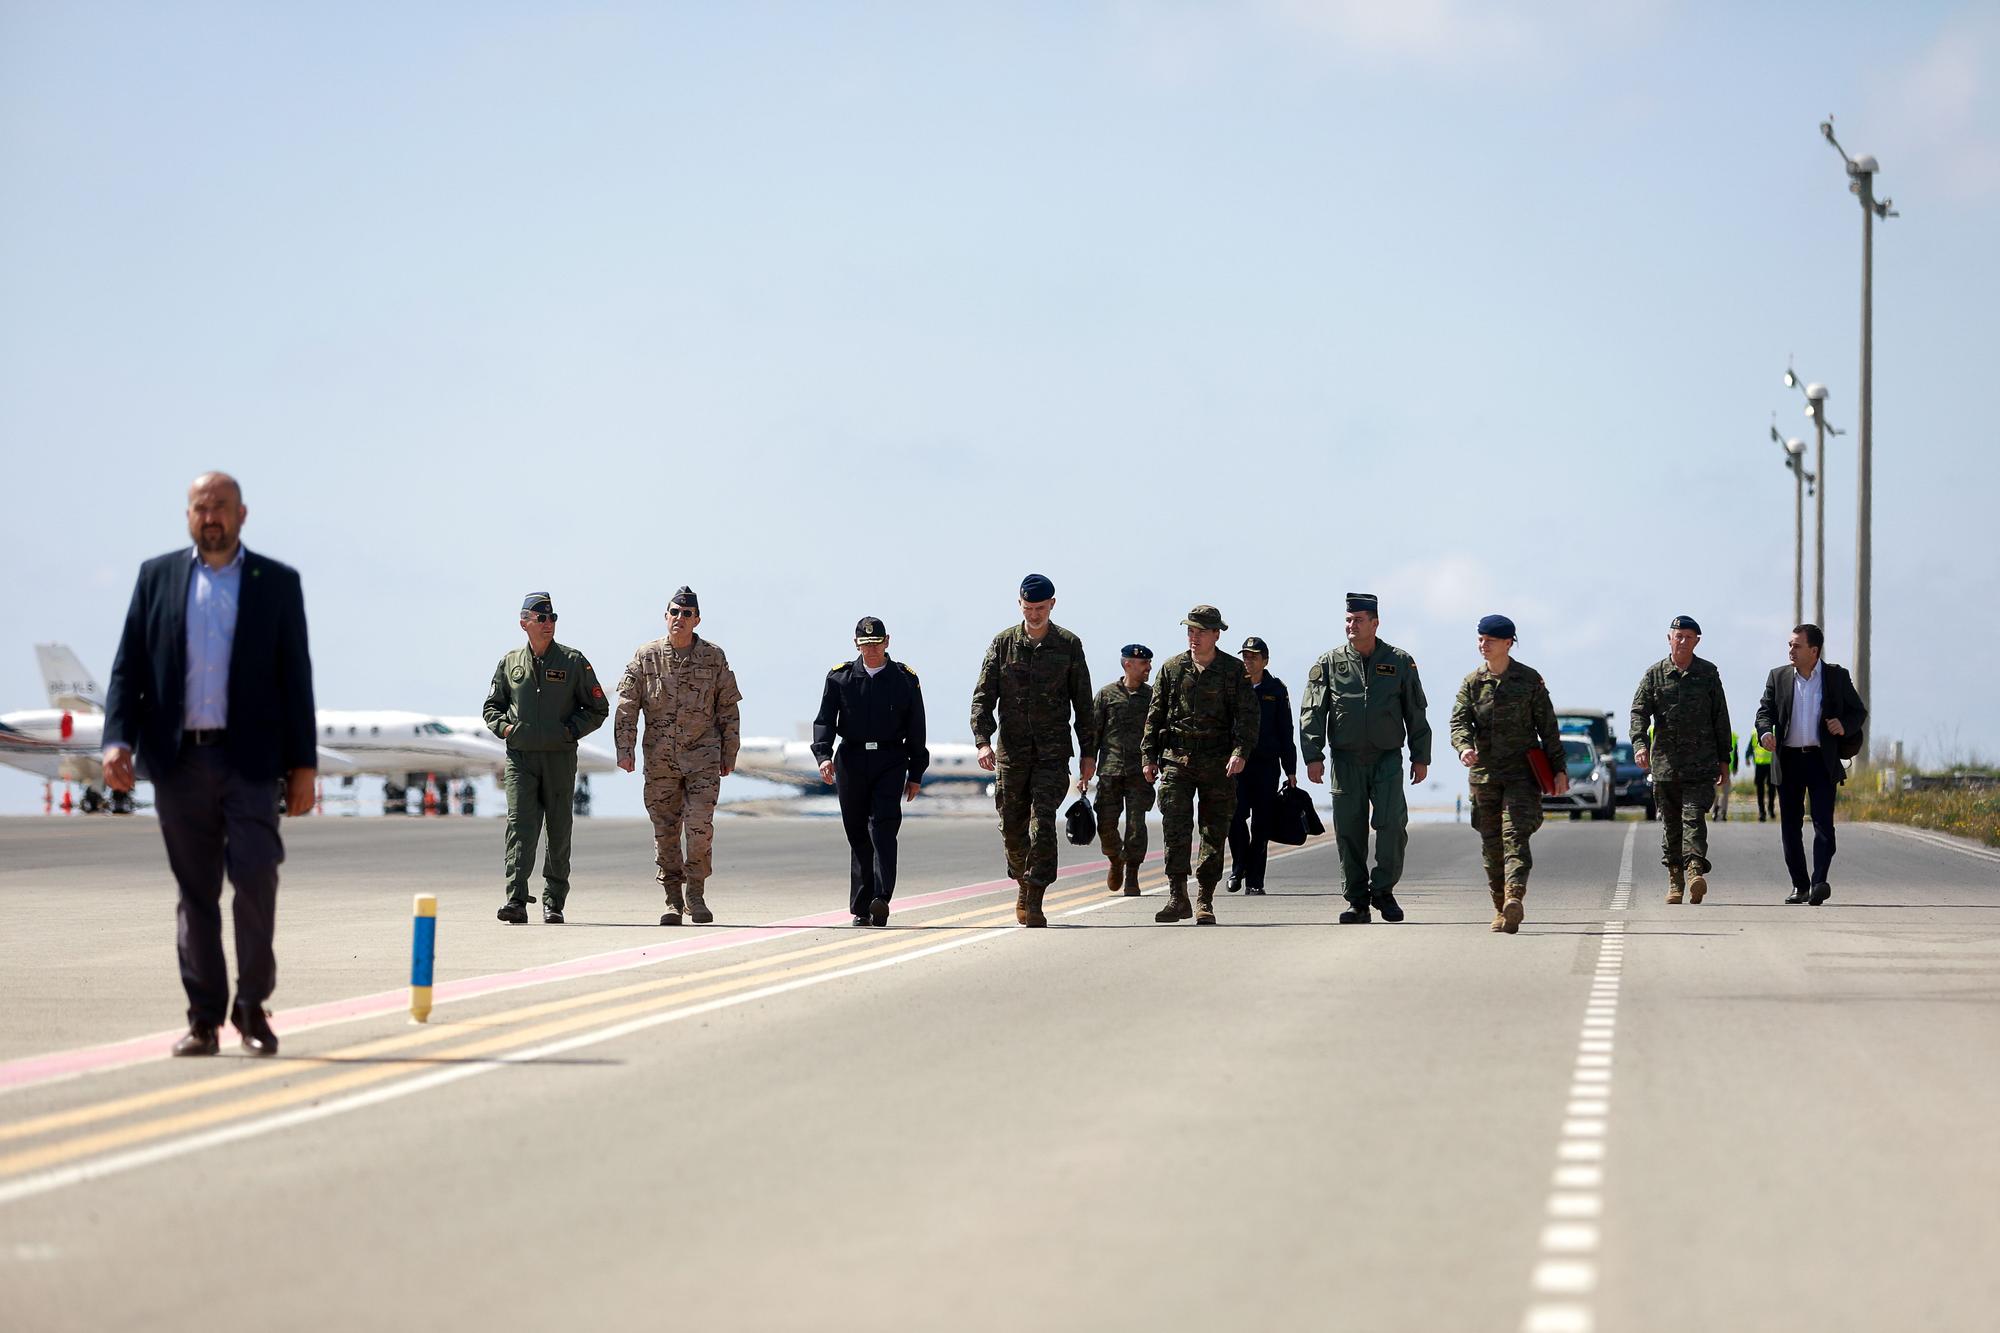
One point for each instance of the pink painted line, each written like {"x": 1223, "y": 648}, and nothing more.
{"x": 58, "y": 1065}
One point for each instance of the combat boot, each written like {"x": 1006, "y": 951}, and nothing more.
{"x": 1697, "y": 887}
{"x": 697, "y": 909}
{"x": 1204, "y": 905}
{"x": 1021, "y": 902}
{"x": 1357, "y": 913}
{"x": 514, "y": 913}
{"x": 672, "y": 916}
{"x": 1178, "y": 907}
{"x": 1034, "y": 896}
{"x": 1114, "y": 878}
{"x": 1674, "y": 885}
{"x": 1513, "y": 909}
{"x": 1499, "y": 908}
{"x": 1132, "y": 881}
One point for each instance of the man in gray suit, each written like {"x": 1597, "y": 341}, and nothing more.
{"x": 1809, "y": 718}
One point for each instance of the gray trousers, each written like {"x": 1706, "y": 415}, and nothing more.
{"x": 216, "y": 821}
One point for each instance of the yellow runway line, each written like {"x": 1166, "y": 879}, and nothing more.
{"x": 760, "y": 970}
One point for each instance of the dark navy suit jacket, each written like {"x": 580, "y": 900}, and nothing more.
{"x": 271, "y": 726}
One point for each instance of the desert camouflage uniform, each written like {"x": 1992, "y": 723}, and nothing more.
{"x": 689, "y": 697}
{"x": 1503, "y": 717}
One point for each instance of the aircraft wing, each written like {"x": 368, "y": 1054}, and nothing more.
{"x": 333, "y": 763}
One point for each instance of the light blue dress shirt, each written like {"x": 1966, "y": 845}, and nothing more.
{"x": 211, "y": 631}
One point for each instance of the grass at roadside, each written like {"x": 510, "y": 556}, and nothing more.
{"x": 1969, "y": 814}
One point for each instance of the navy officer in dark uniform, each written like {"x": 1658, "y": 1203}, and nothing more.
{"x": 1257, "y": 784}
{"x": 876, "y": 707}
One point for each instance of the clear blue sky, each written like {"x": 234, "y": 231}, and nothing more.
{"x": 840, "y": 309}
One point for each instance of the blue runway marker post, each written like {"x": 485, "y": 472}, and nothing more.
{"x": 423, "y": 955}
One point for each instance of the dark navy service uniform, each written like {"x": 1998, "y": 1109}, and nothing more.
{"x": 1257, "y": 784}
{"x": 879, "y": 721}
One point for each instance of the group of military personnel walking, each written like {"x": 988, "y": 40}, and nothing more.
{"x": 1211, "y": 740}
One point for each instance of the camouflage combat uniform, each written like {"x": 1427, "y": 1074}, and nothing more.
{"x": 689, "y": 697}
{"x": 1199, "y": 720}
{"x": 541, "y": 706}
{"x": 1687, "y": 720}
{"x": 1503, "y": 717}
{"x": 1119, "y": 717}
{"x": 1036, "y": 687}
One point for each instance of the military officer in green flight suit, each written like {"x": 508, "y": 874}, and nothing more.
{"x": 544, "y": 699}
{"x": 1363, "y": 703}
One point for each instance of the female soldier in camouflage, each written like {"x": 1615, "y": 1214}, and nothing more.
{"x": 1502, "y": 712}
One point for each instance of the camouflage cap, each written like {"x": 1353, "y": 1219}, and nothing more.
{"x": 1253, "y": 644}
{"x": 870, "y": 630}
{"x": 1205, "y": 616}
{"x": 684, "y": 596}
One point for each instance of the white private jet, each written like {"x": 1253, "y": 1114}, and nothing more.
{"x": 953, "y": 763}
{"x": 589, "y": 758}
{"x": 64, "y": 742}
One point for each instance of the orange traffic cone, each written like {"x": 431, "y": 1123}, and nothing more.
{"x": 66, "y": 800}
{"x": 430, "y": 794}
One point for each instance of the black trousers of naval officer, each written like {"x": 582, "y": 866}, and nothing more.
{"x": 870, "y": 786}
{"x": 879, "y": 723}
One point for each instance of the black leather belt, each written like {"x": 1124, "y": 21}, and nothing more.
{"x": 210, "y": 736}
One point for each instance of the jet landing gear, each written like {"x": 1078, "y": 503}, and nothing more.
{"x": 468, "y": 798}
{"x": 580, "y": 800}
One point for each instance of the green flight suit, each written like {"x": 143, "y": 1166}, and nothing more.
{"x": 541, "y": 706}
{"x": 1358, "y": 713}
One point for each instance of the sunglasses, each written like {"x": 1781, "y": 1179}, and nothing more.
{"x": 543, "y": 617}
{"x": 679, "y": 613}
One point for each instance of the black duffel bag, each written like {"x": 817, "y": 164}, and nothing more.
{"x": 1082, "y": 820}
{"x": 1293, "y": 818}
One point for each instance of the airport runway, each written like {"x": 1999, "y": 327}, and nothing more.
{"x": 1740, "y": 1115}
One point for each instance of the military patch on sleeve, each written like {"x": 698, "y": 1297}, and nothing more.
{"x": 1317, "y": 674}
{"x": 557, "y": 673}
{"x": 1385, "y": 668}
{"x": 597, "y": 691}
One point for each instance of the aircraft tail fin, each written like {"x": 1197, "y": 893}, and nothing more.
{"x": 69, "y": 685}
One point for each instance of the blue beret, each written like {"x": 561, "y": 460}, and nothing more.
{"x": 1138, "y": 650}
{"x": 1685, "y": 622}
{"x": 1496, "y": 627}
{"x": 1037, "y": 588}
{"x": 537, "y": 601}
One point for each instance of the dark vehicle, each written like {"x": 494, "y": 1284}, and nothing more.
{"x": 1633, "y": 784}
{"x": 1587, "y": 722}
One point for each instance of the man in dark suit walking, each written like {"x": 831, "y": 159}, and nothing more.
{"x": 212, "y": 691}
{"x": 1809, "y": 711}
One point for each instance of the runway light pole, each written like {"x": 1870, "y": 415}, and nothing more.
{"x": 1861, "y": 184}
{"x": 1802, "y": 481}
{"x": 1815, "y": 395}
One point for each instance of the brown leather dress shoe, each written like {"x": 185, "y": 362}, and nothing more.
{"x": 200, "y": 1040}
{"x": 255, "y": 1026}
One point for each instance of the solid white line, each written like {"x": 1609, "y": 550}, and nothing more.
{"x": 1944, "y": 841}
{"x": 99, "y": 1168}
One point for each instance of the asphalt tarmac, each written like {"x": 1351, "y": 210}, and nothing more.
{"x": 1738, "y": 1115}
